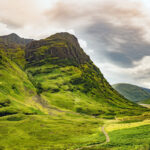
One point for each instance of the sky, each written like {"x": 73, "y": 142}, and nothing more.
{"x": 114, "y": 33}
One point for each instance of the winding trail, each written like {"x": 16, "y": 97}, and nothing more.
{"x": 107, "y": 140}
{"x": 106, "y": 135}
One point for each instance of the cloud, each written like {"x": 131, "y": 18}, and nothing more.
{"x": 25, "y": 17}
{"x": 121, "y": 45}
{"x": 17, "y": 13}
{"x": 142, "y": 67}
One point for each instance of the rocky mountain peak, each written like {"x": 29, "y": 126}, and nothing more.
{"x": 13, "y": 35}
{"x": 67, "y": 37}
{"x": 61, "y": 45}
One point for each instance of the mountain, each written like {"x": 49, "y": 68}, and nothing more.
{"x": 146, "y": 89}
{"x": 132, "y": 92}
{"x": 57, "y": 73}
{"x": 52, "y": 96}
{"x": 66, "y": 77}
{"x": 14, "y": 39}
{"x": 146, "y": 101}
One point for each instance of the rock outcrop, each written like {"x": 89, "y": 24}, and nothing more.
{"x": 60, "y": 45}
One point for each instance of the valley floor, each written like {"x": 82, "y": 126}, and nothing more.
{"x": 74, "y": 131}
{"x": 130, "y": 133}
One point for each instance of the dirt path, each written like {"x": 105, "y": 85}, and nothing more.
{"x": 107, "y": 140}
{"x": 106, "y": 135}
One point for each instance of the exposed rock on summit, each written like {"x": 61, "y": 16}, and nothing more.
{"x": 60, "y": 45}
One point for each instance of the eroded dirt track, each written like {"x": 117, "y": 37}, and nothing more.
{"x": 107, "y": 140}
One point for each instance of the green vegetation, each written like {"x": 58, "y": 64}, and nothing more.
{"x": 126, "y": 133}
{"x": 132, "y": 92}
{"x": 15, "y": 89}
{"x": 132, "y": 138}
{"x": 52, "y": 97}
{"x": 79, "y": 89}
{"x": 65, "y": 76}
{"x": 48, "y": 132}
{"x": 147, "y": 101}
{"x": 136, "y": 138}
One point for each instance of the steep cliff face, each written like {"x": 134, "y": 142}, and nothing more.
{"x": 68, "y": 79}
{"x": 60, "y": 45}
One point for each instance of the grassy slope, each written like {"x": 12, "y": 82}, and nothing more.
{"x": 132, "y": 92}
{"x": 49, "y": 132}
{"x": 16, "y": 91}
{"x": 14, "y": 52}
{"x": 146, "y": 101}
{"x": 64, "y": 87}
{"x": 59, "y": 130}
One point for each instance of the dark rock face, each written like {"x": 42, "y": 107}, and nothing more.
{"x": 14, "y": 39}
{"x": 60, "y": 45}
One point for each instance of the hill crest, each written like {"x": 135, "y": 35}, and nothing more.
{"x": 132, "y": 92}
{"x": 14, "y": 39}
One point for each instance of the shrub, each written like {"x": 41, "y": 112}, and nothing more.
{"x": 7, "y": 111}
{"x": 15, "y": 88}
{"x": 4, "y": 102}
{"x": 39, "y": 88}
{"x": 15, "y": 118}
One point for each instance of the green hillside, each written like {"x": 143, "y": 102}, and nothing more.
{"x": 132, "y": 92}
{"x": 147, "y": 101}
{"x": 65, "y": 76}
{"x": 15, "y": 89}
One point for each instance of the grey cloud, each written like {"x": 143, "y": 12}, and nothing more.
{"x": 120, "y": 59}
{"x": 145, "y": 75}
{"x": 103, "y": 34}
{"x": 10, "y": 23}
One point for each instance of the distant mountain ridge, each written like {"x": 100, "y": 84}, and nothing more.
{"x": 132, "y": 92}
{"x": 14, "y": 39}
{"x": 147, "y": 101}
